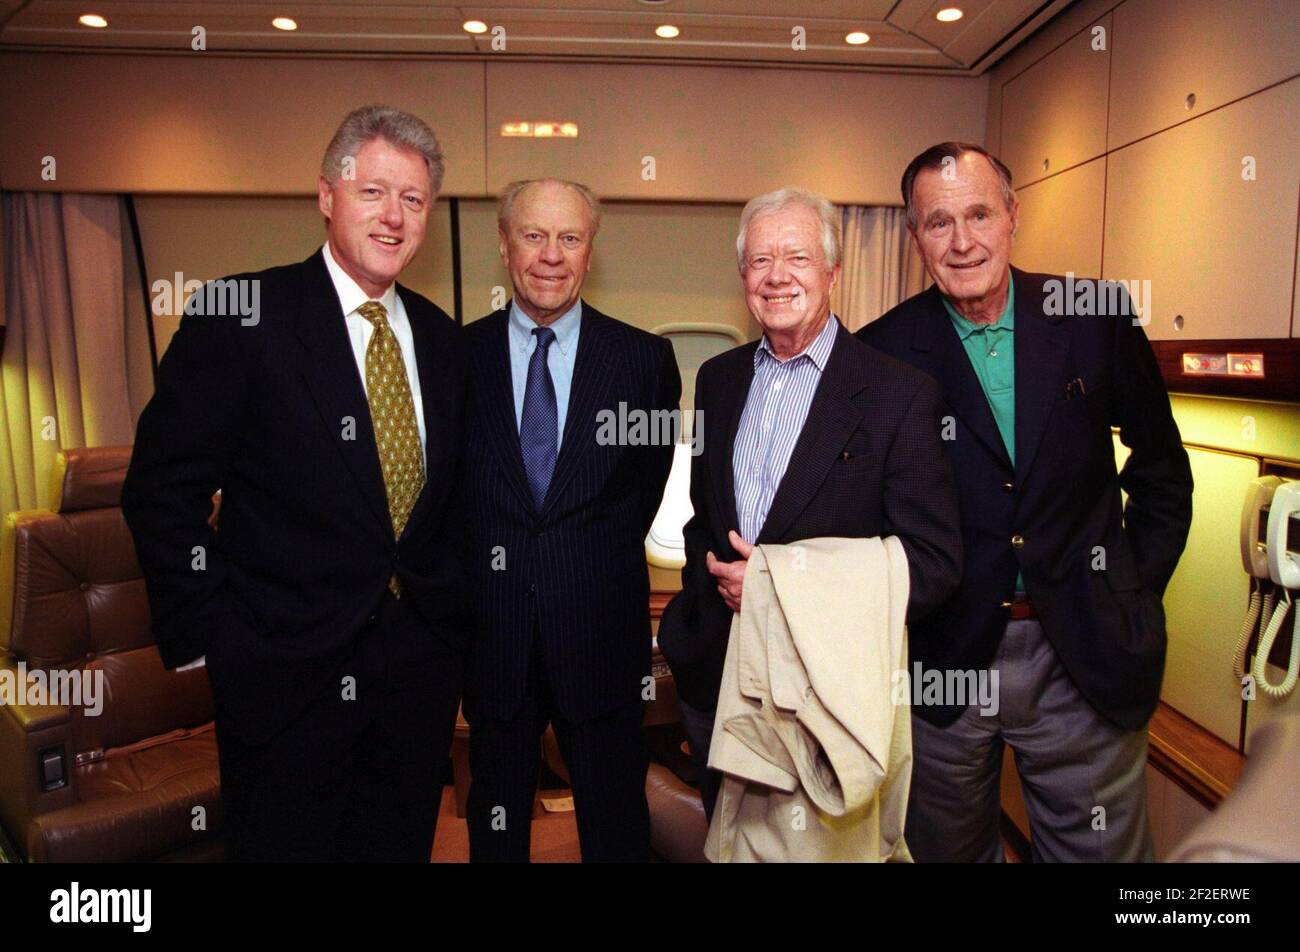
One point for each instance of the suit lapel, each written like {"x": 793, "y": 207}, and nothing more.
{"x": 962, "y": 392}
{"x": 434, "y": 399}
{"x": 832, "y": 418}
{"x": 732, "y": 392}
{"x": 595, "y": 365}
{"x": 492, "y": 378}
{"x": 1041, "y": 348}
{"x": 330, "y": 370}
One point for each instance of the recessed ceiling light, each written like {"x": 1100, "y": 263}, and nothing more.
{"x": 474, "y": 26}
{"x": 284, "y": 23}
{"x": 948, "y": 15}
{"x": 667, "y": 31}
{"x": 856, "y": 38}
{"x": 92, "y": 19}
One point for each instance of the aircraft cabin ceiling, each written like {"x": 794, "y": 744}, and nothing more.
{"x": 900, "y": 34}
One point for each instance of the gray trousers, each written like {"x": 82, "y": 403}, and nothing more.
{"x": 1083, "y": 778}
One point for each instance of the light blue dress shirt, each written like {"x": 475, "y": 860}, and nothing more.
{"x": 780, "y": 395}
{"x": 559, "y": 358}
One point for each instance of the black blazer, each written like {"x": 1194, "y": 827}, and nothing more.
{"x": 1062, "y": 498}
{"x": 275, "y": 415}
{"x": 868, "y": 463}
{"x": 573, "y": 573}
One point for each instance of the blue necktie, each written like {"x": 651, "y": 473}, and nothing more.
{"x": 538, "y": 425}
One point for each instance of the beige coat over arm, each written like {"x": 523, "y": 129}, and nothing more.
{"x": 813, "y": 731}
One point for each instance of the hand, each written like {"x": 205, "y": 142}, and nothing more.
{"x": 730, "y": 575}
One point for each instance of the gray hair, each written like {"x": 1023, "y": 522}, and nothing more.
{"x": 383, "y": 122}
{"x": 793, "y": 197}
{"x": 934, "y": 159}
{"x": 510, "y": 195}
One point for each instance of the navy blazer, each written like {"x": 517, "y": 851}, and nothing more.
{"x": 867, "y": 463}
{"x": 274, "y": 414}
{"x": 574, "y": 572}
{"x": 1095, "y": 574}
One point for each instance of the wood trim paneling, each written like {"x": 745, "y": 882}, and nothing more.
{"x": 659, "y": 601}
{"x": 1189, "y": 755}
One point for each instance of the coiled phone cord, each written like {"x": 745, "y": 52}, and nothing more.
{"x": 1260, "y": 672}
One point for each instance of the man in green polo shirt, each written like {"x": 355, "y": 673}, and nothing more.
{"x": 1059, "y": 609}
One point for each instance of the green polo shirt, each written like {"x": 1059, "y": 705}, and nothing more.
{"x": 992, "y": 352}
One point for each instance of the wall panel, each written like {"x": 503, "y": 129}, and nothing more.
{"x": 721, "y": 134}
{"x": 653, "y": 264}
{"x": 1166, "y": 49}
{"x": 1061, "y": 222}
{"x": 212, "y": 124}
{"x": 206, "y": 237}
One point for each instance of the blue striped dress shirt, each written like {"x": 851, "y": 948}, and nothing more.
{"x": 775, "y": 410}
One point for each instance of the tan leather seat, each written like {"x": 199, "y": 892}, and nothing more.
{"x": 136, "y": 779}
{"x": 677, "y": 824}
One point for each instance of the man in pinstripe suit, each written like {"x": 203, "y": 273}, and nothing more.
{"x": 557, "y": 518}
{"x": 808, "y": 434}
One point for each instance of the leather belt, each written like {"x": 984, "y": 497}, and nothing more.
{"x": 1021, "y": 607}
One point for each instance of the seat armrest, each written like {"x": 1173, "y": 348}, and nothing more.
{"x": 27, "y": 730}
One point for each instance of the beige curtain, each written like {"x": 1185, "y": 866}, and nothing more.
{"x": 76, "y": 366}
{"x": 881, "y": 266}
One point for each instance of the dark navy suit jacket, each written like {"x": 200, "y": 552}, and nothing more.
{"x": 273, "y": 412}
{"x": 867, "y": 463}
{"x": 573, "y": 572}
{"x": 1094, "y": 573}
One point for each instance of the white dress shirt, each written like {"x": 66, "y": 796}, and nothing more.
{"x": 359, "y": 329}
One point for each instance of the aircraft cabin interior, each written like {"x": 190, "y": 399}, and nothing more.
{"x": 1145, "y": 154}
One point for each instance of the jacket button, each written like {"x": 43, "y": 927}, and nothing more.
{"x": 532, "y": 589}
{"x": 1017, "y": 541}
{"x": 1009, "y": 486}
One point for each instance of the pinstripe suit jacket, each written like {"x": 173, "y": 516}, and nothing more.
{"x": 574, "y": 572}
{"x": 868, "y": 462}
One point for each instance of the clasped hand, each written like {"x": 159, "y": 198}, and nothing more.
{"x": 730, "y": 575}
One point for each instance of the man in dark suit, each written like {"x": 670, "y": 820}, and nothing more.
{"x": 328, "y": 599}
{"x": 559, "y": 504}
{"x": 1061, "y": 596}
{"x": 807, "y": 433}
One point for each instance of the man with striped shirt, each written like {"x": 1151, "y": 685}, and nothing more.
{"x": 808, "y": 434}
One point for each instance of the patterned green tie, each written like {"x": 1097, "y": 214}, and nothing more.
{"x": 392, "y": 412}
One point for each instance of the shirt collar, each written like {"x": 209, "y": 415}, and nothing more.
{"x": 1006, "y": 321}
{"x": 818, "y": 351}
{"x": 565, "y": 327}
{"x": 351, "y": 296}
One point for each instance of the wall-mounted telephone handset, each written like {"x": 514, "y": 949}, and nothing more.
{"x": 1283, "y": 553}
{"x": 1254, "y": 559}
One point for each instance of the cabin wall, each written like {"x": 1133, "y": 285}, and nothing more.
{"x": 244, "y": 125}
